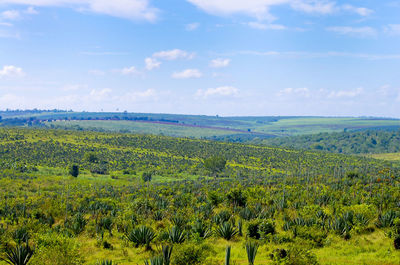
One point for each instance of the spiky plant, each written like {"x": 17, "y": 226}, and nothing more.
{"x": 20, "y": 255}
{"x": 167, "y": 251}
{"x": 226, "y": 231}
{"x": 178, "y": 221}
{"x": 157, "y": 260}
{"x": 141, "y": 236}
{"x": 201, "y": 229}
{"x": 251, "y": 250}
{"x": 176, "y": 235}
{"x": 106, "y": 262}
{"x": 228, "y": 255}
{"x": 240, "y": 227}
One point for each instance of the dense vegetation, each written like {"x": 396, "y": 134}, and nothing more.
{"x": 72, "y": 197}
{"x": 360, "y": 142}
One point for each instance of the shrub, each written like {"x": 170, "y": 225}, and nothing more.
{"x": 190, "y": 254}
{"x": 294, "y": 256}
{"x": 253, "y": 229}
{"x": 266, "y": 227}
{"x": 201, "y": 229}
{"x": 74, "y": 171}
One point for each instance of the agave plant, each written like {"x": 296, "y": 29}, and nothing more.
{"x": 20, "y": 255}
{"x": 167, "y": 251}
{"x": 157, "y": 260}
{"x": 251, "y": 250}
{"x": 228, "y": 255}
{"x": 201, "y": 229}
{"x": 106, "y": 262}
{"x": 226, "y": 230}
{"x": 141, "y": 236}
{"x": 176, "y": 235}
{"x": 178, "y": 221}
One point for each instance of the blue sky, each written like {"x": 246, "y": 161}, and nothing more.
{"x": 226, "y": 57}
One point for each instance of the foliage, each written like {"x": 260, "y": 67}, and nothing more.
{"x": 226, "y": 230}
{"x": 20, "y": 255}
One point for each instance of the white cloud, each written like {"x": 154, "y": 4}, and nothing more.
{"x": 129, "y": 9}
{"x": 303, "y": 92}
{"x": 354, "y": 31}
{"x": 141, "y": 95}
{"x": 31, "y": 11}
{"x": 258, "y": 25}
{"x": 254, "y": 8}
{"x": 188, "y": 73}
{"x": 259, "y": 9}
{"x": 218, "y": 91}
{"x": 314, "y": 6}
{"x": 151, "y": 63}
{"x": 362, "y": 11}
{"x": 100, "y": 95}
{"x": 128, "y": 71}
{"x": 219, "y": 63}
{"x": 192, "y": 26}
{"x": 11, "y": 71}
{"x": 175, "y": 54}
{"x": 10, "y": 15}
{"x": 392, "y": 29}
{"x": 346, "y": 93}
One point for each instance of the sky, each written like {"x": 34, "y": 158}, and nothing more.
{"x": 211, "y": 57}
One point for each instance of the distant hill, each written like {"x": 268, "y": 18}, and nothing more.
{"x": 358, "y": 142}
{"x": 233, "y": 129}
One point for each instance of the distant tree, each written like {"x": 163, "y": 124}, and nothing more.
{"x": 91, "y": 157}
{"x": 215, "y": 165}
{"x": 74, "y": 171}
{"x": 146, "y": 176}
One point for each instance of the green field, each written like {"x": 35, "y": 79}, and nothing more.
{"x": 394, "y": 157}
{"x": 198, "y": 126}
{"x": 321, "y": 208}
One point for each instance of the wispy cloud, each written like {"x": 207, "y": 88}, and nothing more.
{"x": 188, "y": 73}
{"x": 263, "y": 26}
{"x": 128, "y": 9}
{"x": 175, "y": 54}
{"x": 220, "y": 63}
{"x": 11, "y": 71}
{"x": 354, "y": 31}
{"x": 392, "y": 29}
{"x": 218, "y": 91}
{"x": 192, "y": 26}
{"x": 151, "y": 63}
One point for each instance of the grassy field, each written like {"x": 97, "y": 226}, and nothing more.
{"x": 335, "y": 208}
{"x": 394, "y": 157}
{"x": 208, "y": 126}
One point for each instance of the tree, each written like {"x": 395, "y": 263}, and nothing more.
{"x": 74, "y": 171}
{"x": 215, "y": 164}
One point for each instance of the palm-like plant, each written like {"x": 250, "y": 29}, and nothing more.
{"x": 201, "y": 229}
{"x": 251, "y": 250}
{"x": 141, "y": 236}
{"x": 20, "y": 255}
{"x": 167, "y": 251}
{"x": 228, "y": 255}
{"x": 157, "y": 260}
{"x": 176, "y": 235}
{"x": 226, "y": 230}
